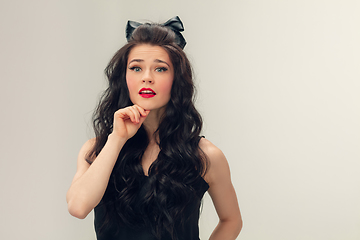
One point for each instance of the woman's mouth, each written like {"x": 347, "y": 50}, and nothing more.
{"x": 147, "y": 93}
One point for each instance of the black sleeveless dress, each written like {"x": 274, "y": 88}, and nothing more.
{"x": 116, "y": 231}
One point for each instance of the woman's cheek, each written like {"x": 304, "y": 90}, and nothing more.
{"x": 131, "y": 86}
{"x": 166, "y": 87}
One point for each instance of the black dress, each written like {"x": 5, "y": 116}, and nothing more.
{"x": 116, "y": 231}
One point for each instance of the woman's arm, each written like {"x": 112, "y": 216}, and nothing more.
{"x": 90, "y": 181}
{"x": 222, "y": 194}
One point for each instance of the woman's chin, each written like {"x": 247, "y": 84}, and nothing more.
{"x": 151, "y": 107}
{"x": 146, "y": 106}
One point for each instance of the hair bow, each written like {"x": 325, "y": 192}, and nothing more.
{"x": 174, "y": 24}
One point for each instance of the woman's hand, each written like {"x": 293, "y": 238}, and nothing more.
{"x": 90, "y": 181}
{"x": 127, "y": 121}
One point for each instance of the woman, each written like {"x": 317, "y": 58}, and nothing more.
{"x": 146, "y": 171}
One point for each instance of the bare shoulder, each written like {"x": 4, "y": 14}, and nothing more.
{"x": 212, "y": 152}
{"x": 88, "y": 145}
{"x": 218, "y": 164}
{"x": 85, "y": 149}
{"x": 82, "y": 163}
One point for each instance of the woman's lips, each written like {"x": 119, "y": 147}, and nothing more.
{"x": 147, "y": 93}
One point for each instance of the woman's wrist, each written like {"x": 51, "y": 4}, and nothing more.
{"x": 116, "y": 139}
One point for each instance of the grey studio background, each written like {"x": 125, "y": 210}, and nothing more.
{"x": 278, "y": 87}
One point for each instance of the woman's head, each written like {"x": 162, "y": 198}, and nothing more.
{"x": 154, "y": 35}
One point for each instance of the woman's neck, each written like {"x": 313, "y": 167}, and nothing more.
{"x": 151, "y": 123}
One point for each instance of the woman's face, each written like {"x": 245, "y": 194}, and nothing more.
{"x": 149, "y": 76}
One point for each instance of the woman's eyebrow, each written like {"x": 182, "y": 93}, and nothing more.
{"x": 161, "y": 61}
{"x": 136, "y": 60}
{"x": 156, "y": 60}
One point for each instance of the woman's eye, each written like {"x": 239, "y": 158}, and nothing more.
{"x": 161, "y": 69}
{"x": 135, "y": 69}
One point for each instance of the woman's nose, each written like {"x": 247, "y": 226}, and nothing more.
{"x": 147, "y": 77}
{"x": 145, "y": 80}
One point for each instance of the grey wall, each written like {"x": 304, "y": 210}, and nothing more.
{"x": 278, "y": 87}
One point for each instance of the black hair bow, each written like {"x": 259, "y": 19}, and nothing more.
{"x": 174, "y": 24}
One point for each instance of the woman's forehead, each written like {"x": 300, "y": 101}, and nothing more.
{"x": 147, "y": 52}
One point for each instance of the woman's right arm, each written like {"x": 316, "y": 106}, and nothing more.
{"x": 90, "y": 181}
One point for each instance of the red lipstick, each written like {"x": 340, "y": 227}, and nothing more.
{"x": 147, "y": 93}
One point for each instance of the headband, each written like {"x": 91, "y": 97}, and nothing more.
{"x": 174, "y": 24}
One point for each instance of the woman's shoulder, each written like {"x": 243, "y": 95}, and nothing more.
{"x": 212, "y": 152}
{"x": 216, "y": 159}
{"x": 85, "y": 150}
{"x": 89, "y": 143}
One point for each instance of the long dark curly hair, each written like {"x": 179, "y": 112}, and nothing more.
{"x": 180, "y": 162}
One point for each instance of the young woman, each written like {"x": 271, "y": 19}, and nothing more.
{"x": 147, "y": 170}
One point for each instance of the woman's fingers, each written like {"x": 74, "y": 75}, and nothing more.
{"x": 134, "y": 113}
{"x": 142, "y": 111}
{"x": 128, "y": 120}
{"x": 127, "y": 113}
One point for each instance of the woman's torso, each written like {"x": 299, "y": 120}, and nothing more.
{"x": 116, "y": 229}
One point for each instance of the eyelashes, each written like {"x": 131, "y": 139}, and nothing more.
{"x": 159, "y": 69}
{"x": 135, "y": 69}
